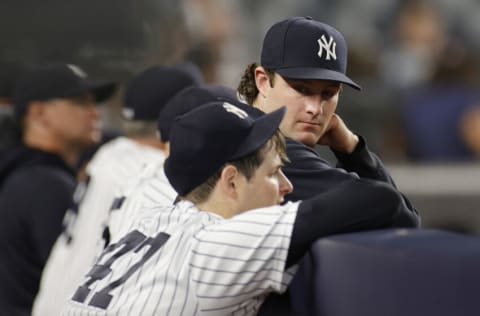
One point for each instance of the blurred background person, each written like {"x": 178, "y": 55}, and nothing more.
{"x": 56, "y": 107}
{"x": 111, "y": 168}
{"x": 151, "y": 187}
{"x": 439, "y": 118}
{"x": 418, "y": 37}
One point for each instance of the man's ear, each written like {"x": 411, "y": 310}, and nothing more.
{"x": 262, "y": 81}
{"x": 35, "y": 113}
{"x": 229, "y": 181}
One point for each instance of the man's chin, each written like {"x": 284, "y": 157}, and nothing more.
{"x": 88, "y": 142}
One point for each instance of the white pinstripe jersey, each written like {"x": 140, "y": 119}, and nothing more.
{"x": 182, "y": 261}
{"x": 114, "y": 164}
{"x": 151, "y": 188}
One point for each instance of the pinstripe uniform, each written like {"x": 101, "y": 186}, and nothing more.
{"x": 182, "y": 261}
{"x": 151, "y": 188}
{"x": 76, "y": 249}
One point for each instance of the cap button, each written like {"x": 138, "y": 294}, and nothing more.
{"x": 308, "y": 18}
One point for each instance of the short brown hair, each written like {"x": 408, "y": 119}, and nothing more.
{"x": 246, "y": 166}
{"x": 247, "y": 87}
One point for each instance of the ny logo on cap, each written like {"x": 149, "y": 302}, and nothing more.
{"x": 329, "y": 48}
{"x": 77, "y": 71}
{"x": 233, "y": 109}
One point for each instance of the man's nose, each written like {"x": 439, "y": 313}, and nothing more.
{"x": 314, "y": 105}
{"x": 285, "y": 185}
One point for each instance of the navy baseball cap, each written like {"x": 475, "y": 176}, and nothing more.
{"x": 207, "y": 137}
{"x": 188, "y": 99}
{"x": 302, "y": 48}
{"x": 57, "y": 80}
{"x": 150, "y": 90}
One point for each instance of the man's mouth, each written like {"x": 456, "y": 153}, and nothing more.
{"x": 311, "y": 123}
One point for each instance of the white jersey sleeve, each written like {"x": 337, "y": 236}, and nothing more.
{"x": 182, "y": 261}
{"x": 236, "y": 263}
{"x": 114, "y": 164}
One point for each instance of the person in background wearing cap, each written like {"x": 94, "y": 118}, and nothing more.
{"x": 303, "y": 66}
{"x": 110, "y": 169}
{"x": 55, "y": 105}
{"x": 149, "y": 188}
{"x": 228, "y": 241}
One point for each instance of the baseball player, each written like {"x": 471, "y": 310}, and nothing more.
{"x": 56, "y": 105}
{"x": 227, "y": 243}
{"x": 151, "y": 187}
{"x": 303, "y": 66}
{"x": 111, "y": 168}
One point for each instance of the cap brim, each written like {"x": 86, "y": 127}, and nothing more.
{"x": 102, "y": 90}
{"x": 263, "y": 129}
{"x": 317, "y": 73}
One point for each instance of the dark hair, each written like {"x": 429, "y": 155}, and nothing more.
{"x": 247, "y": 87}
{"x": 246, "y": 166}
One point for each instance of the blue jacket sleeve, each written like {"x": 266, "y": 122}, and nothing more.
{"x": 372, "y": 205}
{"x": 312, "y": 175}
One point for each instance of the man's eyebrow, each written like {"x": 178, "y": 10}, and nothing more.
{"x": 329, "y": 83}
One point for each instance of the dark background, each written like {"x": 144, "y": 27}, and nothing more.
{"x": 107, "y": 38}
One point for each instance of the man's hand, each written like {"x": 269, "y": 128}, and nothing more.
{"x": 338, "y": 136}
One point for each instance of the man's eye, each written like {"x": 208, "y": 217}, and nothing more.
{"x": 302, "y": 90}
{"x": 276, "y": 172}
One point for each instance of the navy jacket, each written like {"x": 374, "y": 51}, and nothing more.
{"x": 311, "y": 175}
{"x": 36, "y": 189}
